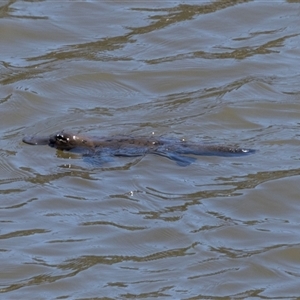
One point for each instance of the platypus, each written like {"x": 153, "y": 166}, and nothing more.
{"x": 134, "y": 146}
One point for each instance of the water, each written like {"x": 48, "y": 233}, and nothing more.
{"x": 224, "y": 72}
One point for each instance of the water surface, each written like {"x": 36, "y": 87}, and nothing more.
{"x": 218, "y": 72}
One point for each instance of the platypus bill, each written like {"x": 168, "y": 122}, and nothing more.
{"x": 134, "y": 146}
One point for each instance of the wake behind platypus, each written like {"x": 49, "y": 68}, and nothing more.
{"x": 178, "y": 150}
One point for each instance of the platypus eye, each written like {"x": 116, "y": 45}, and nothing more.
{"x": 61, "y": 138}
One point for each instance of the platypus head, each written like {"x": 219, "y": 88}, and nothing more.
{"x": 68, "y": 141}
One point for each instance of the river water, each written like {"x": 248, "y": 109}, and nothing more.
{"x": 222, "y": 72}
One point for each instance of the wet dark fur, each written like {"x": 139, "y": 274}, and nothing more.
{"x": 134, "y": 146}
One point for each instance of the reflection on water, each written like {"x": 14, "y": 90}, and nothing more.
{"x": 223, "y": 72}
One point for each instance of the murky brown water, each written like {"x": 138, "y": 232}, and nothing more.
{"x": 221, "y": 71}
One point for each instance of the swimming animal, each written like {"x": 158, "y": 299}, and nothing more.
{"x": 134, "y": 146}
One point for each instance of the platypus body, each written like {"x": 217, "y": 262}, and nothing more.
{"x": 134, "y": 146}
